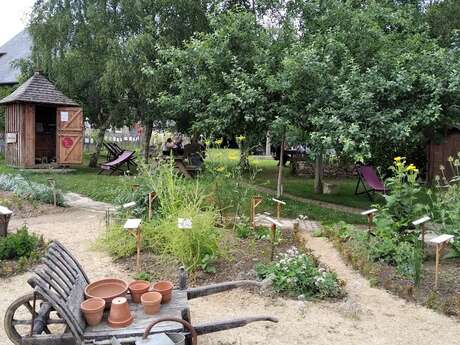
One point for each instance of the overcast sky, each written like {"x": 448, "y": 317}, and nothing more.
{"x": 13, "y": 17}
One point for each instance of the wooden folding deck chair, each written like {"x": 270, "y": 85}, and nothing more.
{"x": 126, "y": 157}
{"x": 370, "y": 181}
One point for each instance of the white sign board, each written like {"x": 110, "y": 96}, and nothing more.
{"x": 11, "y": 138}
{"x": 4, "y": 211}
{"x": 132, "y": 224}
{"x": 184, "y": 223}
{"x": 64, "y": 116}
{"x": 372, "y": 210}
{"x": 421, "y": 220}
{"x": 129, "y": 204}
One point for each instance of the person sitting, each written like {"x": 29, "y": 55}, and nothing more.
{"x": 178, "y": 147}
{"x": 167, "y": 147}
{"x": 193, "y": 153}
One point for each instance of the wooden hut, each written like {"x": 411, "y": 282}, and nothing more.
{"x": 439, "y": 152}
{"x": 42, "y": 126}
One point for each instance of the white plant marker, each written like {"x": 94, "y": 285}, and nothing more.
{"x": 422, "y": 221}
{"x": 370, "y": 218}
{"x": 278, "y": 207}
{"x": 441, "y": 243}
{"x": 129, "y": 205}
{"x": 133, "y": 226}
{"x": 184, "y": 223}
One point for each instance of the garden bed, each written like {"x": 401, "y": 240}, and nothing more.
{"x": 445, "y": 299}
{"x": 23, "y": 208}
{"x": 238, "y": 261}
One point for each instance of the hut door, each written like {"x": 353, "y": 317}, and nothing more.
{"x": 69, "y": 143}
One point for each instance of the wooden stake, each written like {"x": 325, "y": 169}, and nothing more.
{"x": 138, "y": 245}
{"x": 278, "y": 211}
{"x": 52, "y": 183}
{"x": 273, "y": 235}
{"x": 152, "y": 197}
{"x": 255, "y": 201}
{"x": 437, "y": 266}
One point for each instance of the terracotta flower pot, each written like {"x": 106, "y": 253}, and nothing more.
{"x": 151, "y": 302}
{"x": 107, "y": 288}
{"x": 165, "y": 288}
{"x": 137, "y": 289}
{"x": 120, "y": 316}
{"x": 93, "y": 310}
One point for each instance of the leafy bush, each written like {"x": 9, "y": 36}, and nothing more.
{"x": 20, "y": 244}
{"x": 26, "y": 189}
{"x": 298, "y": 274}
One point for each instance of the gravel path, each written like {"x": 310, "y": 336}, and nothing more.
{"x": 367, "y": 316}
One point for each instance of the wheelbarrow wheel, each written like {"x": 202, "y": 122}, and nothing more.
{"x": 186, "y": 324}
{"x": 19, "y": 316}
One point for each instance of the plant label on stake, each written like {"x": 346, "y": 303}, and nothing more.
{"x": 134, "y": 228}
{"x": 184, "y": 223}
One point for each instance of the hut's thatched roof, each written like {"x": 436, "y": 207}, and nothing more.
{"x": 38, "y": 89}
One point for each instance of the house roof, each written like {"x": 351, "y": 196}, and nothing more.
{"x": 38, "y": 89}
{"x": 19, "y": 47}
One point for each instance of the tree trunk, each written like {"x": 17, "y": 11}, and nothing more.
{"x": 279, "y": 186}
{"x": 99, "y": 142}
{"x": 319, "y": 169}
{"x": 268, "y": 144}
{"x": 147, "y": 137}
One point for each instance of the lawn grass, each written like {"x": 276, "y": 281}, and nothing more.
{"x": 85, "y": 181}
{"x": 302, "y": 186}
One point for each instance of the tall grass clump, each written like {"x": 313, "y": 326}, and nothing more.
{"x": 177, "y": 197}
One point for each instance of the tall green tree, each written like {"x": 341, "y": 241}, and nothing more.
{"x": 73, "y": 44}
{"x": 220, "y": 79}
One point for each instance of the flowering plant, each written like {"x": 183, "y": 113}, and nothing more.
{"x": 446, "y": 201}
{"x": 298, "y": 274}
{"x": 401, "y": 206}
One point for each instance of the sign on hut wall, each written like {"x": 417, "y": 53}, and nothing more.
{"x": 11, "y": 138}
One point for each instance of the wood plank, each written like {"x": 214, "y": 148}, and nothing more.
{"x": 141, "y": 320}
{"x": 59, "y": 245}
{"x": 64, "y": 339}
{"x": 28, "y": 146}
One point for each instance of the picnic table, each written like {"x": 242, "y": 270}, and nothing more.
{"x": 180, "y": 162}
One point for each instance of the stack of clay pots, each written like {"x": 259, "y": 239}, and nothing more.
{"x": 120, "y": 315}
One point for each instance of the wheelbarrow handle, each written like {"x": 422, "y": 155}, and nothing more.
{"x": 220, "y": 287}
{"x": 223, "y": 325}
{"x": 183, "y": 322}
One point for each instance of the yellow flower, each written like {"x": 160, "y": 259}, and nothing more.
{"x": 219, "y": 141}
{"x": 397, "y": 159}
{"x": 232, "y": 157}
{"x": 241, "y": 138}
{"x": 220, "y": 169}
{"x": 411, "y": 167}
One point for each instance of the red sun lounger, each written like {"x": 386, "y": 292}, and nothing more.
{"x": 116, "y": 165}
{"x": 370, "y": 181}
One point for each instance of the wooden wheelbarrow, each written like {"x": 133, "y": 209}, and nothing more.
{"x": 51, "y": 313}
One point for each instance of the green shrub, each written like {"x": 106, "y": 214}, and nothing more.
{"x": 445, "y": 203}
{"x": 21, "y": 244}
{"x": 298, "y": 274}
{"x": 26, "y": 189}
